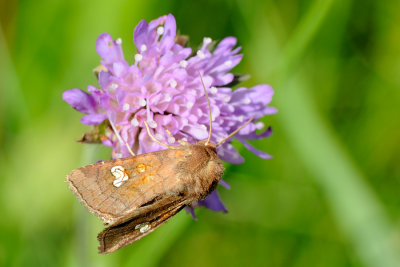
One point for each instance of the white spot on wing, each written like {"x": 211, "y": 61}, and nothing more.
{"x": 144, "y": 227}
{"x": 117, "y": 183}
{"x": 119, "y": 174}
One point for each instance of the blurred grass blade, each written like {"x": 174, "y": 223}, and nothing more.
{"x": 303, "y": 34}
{"x": 11, "y": 96}
{"x": 356, "y": 208}
{"x": 358, "y": 211}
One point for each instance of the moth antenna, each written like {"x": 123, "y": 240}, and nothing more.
{"x": 120, "y": 138}
{"x": 209, "y": 110}
{"x": 155, "y": 139}
{"x": 169, "y": 133}
{"x": 237, "y": 130}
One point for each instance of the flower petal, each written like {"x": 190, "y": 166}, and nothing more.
{"x": 224, "y": 184}
{"x": 259, "y": 153}
{"x": 168, "y": 38}
{"x": 199, "y": 132}
{"x": 80, "y": 100}
{"x": 225, "y": 45}
{"x": 108, "y": 49}
{"x": 140, "y": 34}
{"x": 191, "y": 211}
{"x": 213, "y": 202}
{"x": 93, "y": 119}
{"x": 228, "y": 153}
{"x": 255, "y": 136}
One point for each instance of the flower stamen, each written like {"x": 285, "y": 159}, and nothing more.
{"x": 183, "y": 63}
{"x": 138, "y": 57}
{"x": 143, "y": 48}
{"x": 200, "y": 54}
{"x": 160, "y": 30}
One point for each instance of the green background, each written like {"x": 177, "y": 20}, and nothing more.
{"x": 329, "y": 197}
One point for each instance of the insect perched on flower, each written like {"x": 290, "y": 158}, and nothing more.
{"x": 161, "y": 95}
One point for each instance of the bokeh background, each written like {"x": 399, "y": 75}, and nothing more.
{"x": 329, "y": 197}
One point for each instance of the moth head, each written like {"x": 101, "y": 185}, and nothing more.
{"x": 207, "y": 143}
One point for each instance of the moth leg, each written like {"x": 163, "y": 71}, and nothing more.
{"x": 183, "y": 143}
{"x": 155, "y": 139}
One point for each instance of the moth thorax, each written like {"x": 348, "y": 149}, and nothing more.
{"x": 209, "y": 177}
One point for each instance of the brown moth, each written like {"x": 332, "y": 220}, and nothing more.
{"x": 137, "y": 194}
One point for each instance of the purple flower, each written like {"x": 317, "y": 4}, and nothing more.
{"x": 163, "y": 88}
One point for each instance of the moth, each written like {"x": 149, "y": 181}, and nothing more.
{"x": 136, "y": 195}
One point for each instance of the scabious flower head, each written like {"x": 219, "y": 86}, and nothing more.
{"x": 163, "y": 88}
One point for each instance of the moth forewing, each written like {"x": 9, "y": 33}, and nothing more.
{"x": 114, "y": 189}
